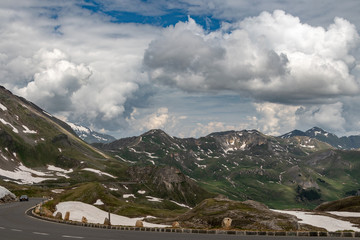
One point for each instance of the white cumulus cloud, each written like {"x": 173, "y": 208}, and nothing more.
{"x": 272, "y": 57}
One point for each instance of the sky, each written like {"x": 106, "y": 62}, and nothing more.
{"x": 190, "y": 68}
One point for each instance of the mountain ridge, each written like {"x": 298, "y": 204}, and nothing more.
{"x": 344, "y": 142}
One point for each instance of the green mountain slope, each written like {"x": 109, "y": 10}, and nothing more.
{"x": 41, "y": 151}
{"x": 298, "y": 171}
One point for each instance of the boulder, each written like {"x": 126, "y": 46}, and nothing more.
{"x": 58, "y": 215}
{"x": 67, "y": 216}
{"x": 107, "y": 221}
{"x": 139, "y": 223}
{"x": 37, "y": 209}
{"x": 45, "y": 212}
{"x": 84, "y": 220}
{"x": 226, "y": 223}
{"x": 175, "y": 224}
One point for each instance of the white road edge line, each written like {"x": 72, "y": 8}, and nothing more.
{"x": 16, "y": 230}
{"x": 40, "y": 233}
{"x": 67, "y": 236}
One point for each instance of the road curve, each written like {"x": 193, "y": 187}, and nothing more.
{"x": 16, "y": 225}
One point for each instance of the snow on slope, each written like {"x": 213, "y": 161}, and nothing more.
{"x": 2, "y": 107}
{"x": 6, "y": 123}
{"x": 98, "y": 172}
{"x": 25, "y": 175}
{"x": 4, "y": 192}
{"x": 95, "y": 215}
{"x": 330, "y": 224}
{"x": 346, "y": 214}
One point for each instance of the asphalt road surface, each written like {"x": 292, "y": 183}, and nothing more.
{"x": 16, "y": 225}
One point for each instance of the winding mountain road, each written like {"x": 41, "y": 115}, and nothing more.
{"x": 16, "y": 225}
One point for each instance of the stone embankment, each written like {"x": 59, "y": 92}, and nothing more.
{"x": 36, "y": 213}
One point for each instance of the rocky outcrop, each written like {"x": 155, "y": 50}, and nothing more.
{"x": 225, "y": 213}
{"x": 169, "y": 183}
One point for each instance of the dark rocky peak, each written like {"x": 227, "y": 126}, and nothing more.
{"x": 157, "y": 136}
{"x": 295, "y": 133}
{"x": 155, "y": 132}
{"x": 234, "y": 133}
{"x": 316, "y": 132}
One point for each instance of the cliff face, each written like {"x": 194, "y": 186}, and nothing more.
{"x": 247, "y": 215}
{"x": 170, "y": 183}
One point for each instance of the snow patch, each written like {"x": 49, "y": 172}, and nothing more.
{"x": 200, "y": 166}
{"x": 243, "y": 146}
{"x": 124, "y": 160}
{"x": 128, "y": 195}
{"x": 98, "y": 202}
{"x": 154, "y": 199}
{"x": 57, "y": 190}
{"x": 98, "y": 172}
{"x": 346, "y": 214}
{"x": 329, "y": 223}
{"x": 180, "y": 204}
{"x": 4, "y": 192}
{"x": 79, "y": 128}
{"x": 27, "y": 130}
{"x": 2, "y": 107}
{"x": 141, "y": 192}
{"x": 307, "y": 146}
{"x": 95, "y": 215}
{"x": 57, "y": 169}
{"x": 25, "y": 175}
{"x": 6, "y": 123}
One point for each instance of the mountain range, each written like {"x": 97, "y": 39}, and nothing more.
{"x": 158, "y": 172}
{"x": 42, "y": 155}
{"x": 350, "y": 142}
{"x": 286, "y": 171}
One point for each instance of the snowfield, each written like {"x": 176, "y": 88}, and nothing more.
{"x": 25, "y": 175}
{"x": 4, "y": 192}
{"x": 346, "y": 214}
{"x": 329, "y": 223}
{"x": 95, "y": 215}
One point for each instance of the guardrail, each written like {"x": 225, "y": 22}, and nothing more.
{"x": 203, "y": 231}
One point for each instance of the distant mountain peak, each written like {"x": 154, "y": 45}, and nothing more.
{"x": 316, "y": 131}
{"x": 293, "y": 134}
{"x": 89, "y": 135}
